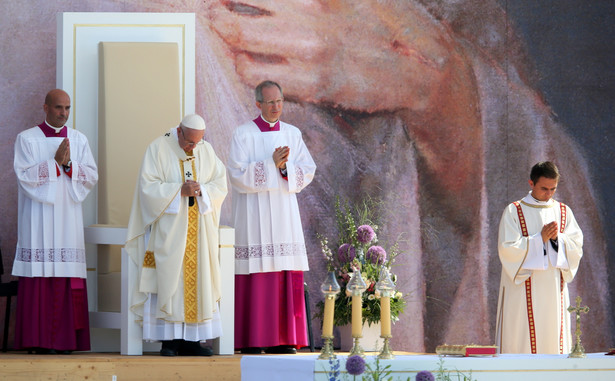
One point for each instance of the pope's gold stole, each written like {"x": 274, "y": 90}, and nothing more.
{"x": 190, "y": 255}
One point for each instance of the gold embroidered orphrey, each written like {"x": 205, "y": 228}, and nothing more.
{"x": 190, "y": 255}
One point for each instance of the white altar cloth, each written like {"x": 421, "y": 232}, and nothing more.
{"x": 300, "y": 367}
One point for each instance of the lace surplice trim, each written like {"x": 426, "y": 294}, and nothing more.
{"x": 64, "y": 255}
{"x": 260, "y": 179}
{"x": 270, "y": 250}
{"x": 43, "y": 174}
{"x": 81, "y": 177}
{"x": 300, "y": 178}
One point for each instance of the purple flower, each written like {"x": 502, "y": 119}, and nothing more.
{"x": 346, "y": 253}
{"x": 376, "y": 255}
{"x": 355, "y": 365}
{"x": 424, "y": 375}
{"x": 365, "y": 234}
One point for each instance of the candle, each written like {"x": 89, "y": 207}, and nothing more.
{"x": 357, "y": 321}
{"x": 385, "y": 316}
{"x": 327, "y": 323}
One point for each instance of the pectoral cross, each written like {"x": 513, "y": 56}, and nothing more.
{"x": 578, "y": 351}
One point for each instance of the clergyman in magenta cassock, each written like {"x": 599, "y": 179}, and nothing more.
{"x": 268, "y": 165}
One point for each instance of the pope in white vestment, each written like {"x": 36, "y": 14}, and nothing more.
{"x": 532, "y": 314}
{"x": 173, "y": 238}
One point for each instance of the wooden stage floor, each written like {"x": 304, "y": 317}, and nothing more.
{"x": 20, "y": 366}
{"x": 115, "y": 367}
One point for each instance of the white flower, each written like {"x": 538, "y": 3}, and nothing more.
{"x": 398, "y": 295}
{"x": 371, "y": 297}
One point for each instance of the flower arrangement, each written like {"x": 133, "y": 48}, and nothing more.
{"x": 357, "y": 249}
{"x": 375, "y": 371}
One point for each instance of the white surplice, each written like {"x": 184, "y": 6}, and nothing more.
{"x": 50, "y": 221}
{"x": 159, "y": 224}
{"x": 543, "y": 299}
{"x": 268, "y": 230}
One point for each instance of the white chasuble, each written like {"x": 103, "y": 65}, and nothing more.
{"x": 532, "y": 315}
{"x": 50, "y": 219}
{"x": 175, "y": 245}
{"x": 268, "y": 230}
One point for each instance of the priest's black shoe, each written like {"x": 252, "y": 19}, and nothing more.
{"x": 44, "y": 351}
{"x": 170, "y": 347}
{"x": 281, "y": 350}
{"x": 193, "y": 348}
{"x": 251, "y": 351}
{"x": 48, "y": 351}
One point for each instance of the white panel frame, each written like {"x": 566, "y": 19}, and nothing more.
{"x": 78, "y": 37}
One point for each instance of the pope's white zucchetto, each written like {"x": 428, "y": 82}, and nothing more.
{"x": 193, "y": 121}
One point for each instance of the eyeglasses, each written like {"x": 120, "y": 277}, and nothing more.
{"x": 276, "y": 102}
{"x": 189, "y": 143}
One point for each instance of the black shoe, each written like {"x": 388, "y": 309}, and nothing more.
{"x": 282, "y": 350}
{"x": 170, "y": 347}
{"x": 42, "y": 351}
{"x": 194, "y": 348}
{"x": 251, "y": 351}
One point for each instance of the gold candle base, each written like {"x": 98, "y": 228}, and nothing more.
{"x": 326, "y": 353}
{"x": 356, "y": 348}
{"x": 387, "y": 353}
{"x": 578, "y": 351}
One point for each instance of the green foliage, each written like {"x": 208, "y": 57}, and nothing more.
{"x": 444, "y": 374}
{"x": 374, "y": 371}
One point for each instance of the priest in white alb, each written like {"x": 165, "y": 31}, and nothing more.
{"x": 55, "y": 171}
{"x": 173, "y": 240}
{"x": 540, "y": 246}
{"x": 268, "y": 165}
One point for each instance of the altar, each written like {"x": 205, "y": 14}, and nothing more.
{"x": 507, "y": 367}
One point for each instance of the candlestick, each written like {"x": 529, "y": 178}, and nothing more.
{"x": 355, "y": 288}
{"x": 578, "y": 351}
{"x": 327, "y": 321}
{"x": 330, "y": 288}
{"x": 385, "y": 316}
{"x": 357, "y": 316}
{"x": 385, "y": 289}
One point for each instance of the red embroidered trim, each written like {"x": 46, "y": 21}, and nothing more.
{"x": 521, "y": 218}
{"x": 561, "y": 286}
{"x": 528, "y": 285}
{"x": 530, "y": 314}
{"x": 561, "y": 318}
{"x": 562, "y": 225}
